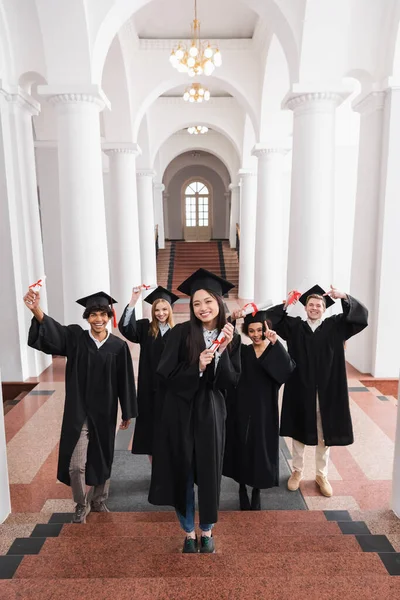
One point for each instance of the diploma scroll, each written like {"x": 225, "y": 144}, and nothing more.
{"x": 220, "y": 340}
{"x": 251, "y": 308}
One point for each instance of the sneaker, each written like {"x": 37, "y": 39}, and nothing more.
{"x": 324, "y": 486}
{"x": 207, "y": 545}
{"x": 99, "y": 507}
{"x": 294, "y": 481}
{"x": 81, "y": 512}
{"x": 190, "y": 546}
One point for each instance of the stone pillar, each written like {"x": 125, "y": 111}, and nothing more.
{"x": 83, "y": 221}
{"x": 312, "y": 192}
{"x": 365, "y": 241}
{"x": 5, "y": 502}
{"x": 234, "y": 216}
{"x": 123, "y": 222}
{"x": 396, "y": 466}
{"x": 269, "y": 278}
{"x": 248, "y": 184}
{"x": 21, "y": 243}
{"x": 158, "y": 189}
{"x": 144, "y": 179}
{"x": 165, "y": 197}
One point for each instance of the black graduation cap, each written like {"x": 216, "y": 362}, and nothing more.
{"x": 99, "y": 299}
{"x": 316, "y": 289}
{"x": 161, "y": 293}
{"x": 259, "y": 317}
{"x": 205, "y": 280}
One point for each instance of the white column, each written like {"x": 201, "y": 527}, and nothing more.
{"x": 312, "y": 191}
{"x": 365, "y": 241}
{"x": 123, "y": 222}
{"x": 159, "y": 212}
{"x": 396, "y": 466}
{"x": 165, "y": 197}
{"x": 386, "y": 350}
{"x": 269, "y": 278}
{"x": 234, "y": 216}
{"x": 248, "y": 184}
{"x": 5, "y": 501}
{"x": 83, "y": 222}
{"x": 144, "y": 179}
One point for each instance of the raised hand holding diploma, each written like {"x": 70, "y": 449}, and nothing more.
{"x": 32, "y": 301}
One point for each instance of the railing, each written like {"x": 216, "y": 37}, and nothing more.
{"x": 156, "y": 239}
{"x": 237, "y": 239}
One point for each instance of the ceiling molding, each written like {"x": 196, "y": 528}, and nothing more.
{"x": 169, "y": 44}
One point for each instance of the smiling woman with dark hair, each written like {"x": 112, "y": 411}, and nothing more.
{"x": 196, "y": 377}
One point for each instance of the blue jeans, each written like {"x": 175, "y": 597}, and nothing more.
{"x": 187, "y": 523}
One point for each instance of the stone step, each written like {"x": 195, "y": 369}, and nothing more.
{"x": 241, "y": 529}
{"x": 238, "y": 587}
{"x": 256, "y": 517}
{"x": 226, "y": 544}
{"x": 184, "y": 566}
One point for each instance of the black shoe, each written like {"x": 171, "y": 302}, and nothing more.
{"x": 190, "y": 546}
{"x": 207, "y": 545}
{"x": 99, "y": 507}
{"x": 255, "y": 499}
{"x": 243, "y": 498}
{"x": 81, "y": 512}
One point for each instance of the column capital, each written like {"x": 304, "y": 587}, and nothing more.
{"x": 234, "y": 187}
{"x": 74, "y": 94}
{"x": 246, "y": 173}
{"x": 370, "y": 103}
{"x": 261, "y": 151}
{"x": 111, "y": 148}
{"x": 16, "y": 96}
{"x": 313, "y": 101}
{"x": 146, "y": 173}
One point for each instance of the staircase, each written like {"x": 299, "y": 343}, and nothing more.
{"x": 214, "y": 256}
{"x": 274, "y": 555}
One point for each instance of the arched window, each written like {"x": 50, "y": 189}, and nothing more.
{"x": 197, "y": 204}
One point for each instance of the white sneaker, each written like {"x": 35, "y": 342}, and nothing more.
{"x": 294, "y": 481}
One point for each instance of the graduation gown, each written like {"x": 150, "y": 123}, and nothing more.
{"x": 95, "y": 378}
{"x": 149, "y": 385}
{"x": 320, "y": 361}
{"x": 193, "y": 425}
{"x": 252, "y": 427}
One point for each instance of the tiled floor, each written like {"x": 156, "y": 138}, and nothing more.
{"x": 360, "y": 474}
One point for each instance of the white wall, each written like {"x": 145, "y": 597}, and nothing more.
{"x": 5, "y": 502}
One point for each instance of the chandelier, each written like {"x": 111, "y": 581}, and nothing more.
{"x": 196, "y": 93}
{"x": 200, "y": 57}
{"x": 197, "y": 129}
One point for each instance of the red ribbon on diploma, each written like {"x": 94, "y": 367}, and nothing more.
{"x": 217, "y": 343}
{"x": 295, "y": 295}
{"x": 253, "y": 306}
{"x": 38, "y": 283}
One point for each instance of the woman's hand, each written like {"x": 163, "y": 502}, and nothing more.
{"x": 135, "y": 296}
{"x": 205, "y": 359}
{"x": 270, "y": 334}
{"x": 32, "y": 300}
{"x": 125, "y": 424}
{"x": 228, "y": 330}
{"x": 237, "y": 314}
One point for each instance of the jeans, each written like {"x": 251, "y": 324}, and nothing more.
{"x": 187, "y": 523}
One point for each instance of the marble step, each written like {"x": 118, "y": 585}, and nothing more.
{"x": 125, "y": 565}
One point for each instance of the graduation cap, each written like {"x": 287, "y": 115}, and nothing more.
{"x": 205, "y": 280}
{"x": 316, "y": 289}
{"x": 99, "y": 299}
{"x": 161, "y": 293}
{"x": 259, "y": 317}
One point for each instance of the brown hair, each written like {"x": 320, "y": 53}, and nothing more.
{"x": 316, "y": 297}
{"x": 154, "y": 329}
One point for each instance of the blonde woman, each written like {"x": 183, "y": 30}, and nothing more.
{"x": 152, "y": 336}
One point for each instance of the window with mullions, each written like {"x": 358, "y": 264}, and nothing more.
{"x": 197, "y": 204}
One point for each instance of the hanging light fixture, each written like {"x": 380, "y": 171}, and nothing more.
{"x": 196, "y": 93}
{"x": 200, "y": 57}
{"x": 197, "y": 129}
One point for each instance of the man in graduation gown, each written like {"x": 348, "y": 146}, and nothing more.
{"x": 98, "y": 372}
{"x": 315, "y": 409}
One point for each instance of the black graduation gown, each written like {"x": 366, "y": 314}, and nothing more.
{"x": 149, "y": 385}
{"x": 94, "y": 381}
{"x": 320, "y": 361}
{"x": 252, "y": 427}
{"x": 193, "y": 425}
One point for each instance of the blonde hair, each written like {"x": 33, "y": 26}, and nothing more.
{"x": 154, "y": 329}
